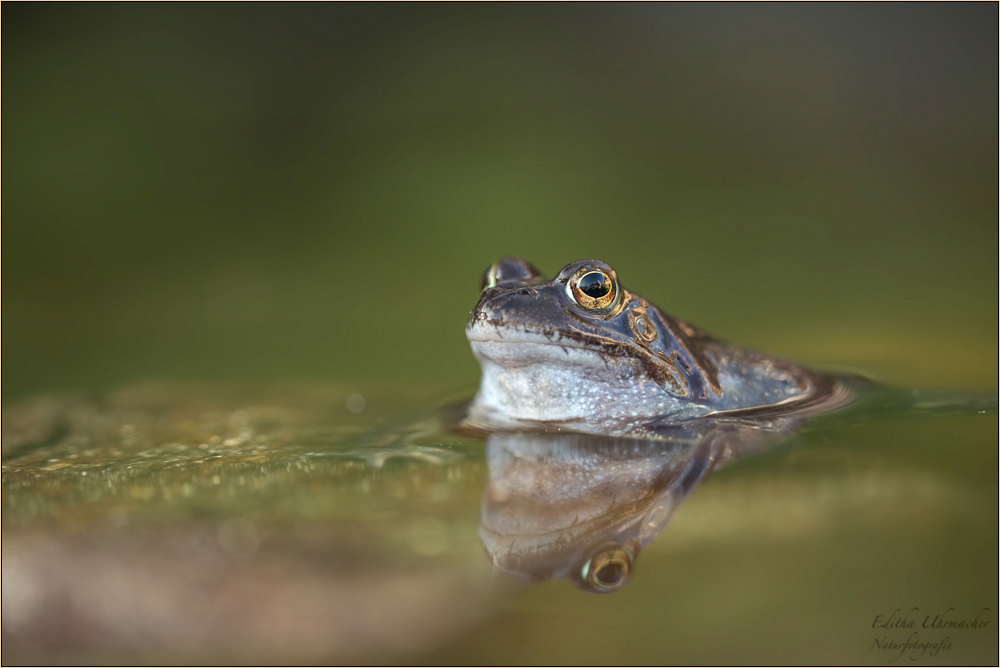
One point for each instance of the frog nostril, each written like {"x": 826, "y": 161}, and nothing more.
{"x": 527, "y": 292}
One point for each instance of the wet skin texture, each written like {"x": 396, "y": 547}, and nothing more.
{"x": 580, "y": 352}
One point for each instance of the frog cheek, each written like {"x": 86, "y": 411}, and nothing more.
{"x": 661, "y": 362}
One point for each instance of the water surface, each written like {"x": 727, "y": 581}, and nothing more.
{"x": 273, "y": 523}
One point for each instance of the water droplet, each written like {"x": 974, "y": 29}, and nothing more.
{"x": 355, "y": 403}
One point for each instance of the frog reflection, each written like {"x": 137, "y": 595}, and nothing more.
{"x": 583, "y": 507}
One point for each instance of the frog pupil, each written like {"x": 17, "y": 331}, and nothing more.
{"x": 595, "y": 285}
{"x": 610, "y": 573}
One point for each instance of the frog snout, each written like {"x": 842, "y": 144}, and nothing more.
{"x": 521, "y": 303}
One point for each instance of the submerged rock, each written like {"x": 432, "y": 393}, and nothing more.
{"x": 180, "y": 523}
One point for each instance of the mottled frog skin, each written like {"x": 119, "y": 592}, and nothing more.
{"x": 582, "y": 353}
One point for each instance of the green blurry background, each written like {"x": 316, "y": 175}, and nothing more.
{"x": 264, "y": 192}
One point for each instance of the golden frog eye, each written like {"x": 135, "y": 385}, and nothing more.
{"x": 593, "y": 289}
{"x": 608, "y": 571}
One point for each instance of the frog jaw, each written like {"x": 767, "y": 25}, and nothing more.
{"x": 550, "y": 383}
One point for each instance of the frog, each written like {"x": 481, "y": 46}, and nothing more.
{"x": 582, "y": 353}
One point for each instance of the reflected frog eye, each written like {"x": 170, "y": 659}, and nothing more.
{"x": 607, "y": 571}
{"x": 593, "y": 289}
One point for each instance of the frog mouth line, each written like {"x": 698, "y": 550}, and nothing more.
{"x": 552, "y": 344}
{"x": 525, "y": 335}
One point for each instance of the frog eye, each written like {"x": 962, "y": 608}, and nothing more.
{"x": 594, "y": 289}
{"x": 489, "y": 277}
{"x": 608, "y": 571}
{"x": 509, "y": 271}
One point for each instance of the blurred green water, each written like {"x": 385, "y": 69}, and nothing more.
{"x": 269, "y": 193}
